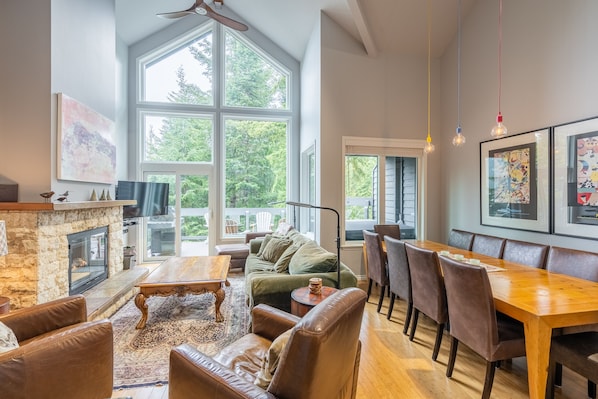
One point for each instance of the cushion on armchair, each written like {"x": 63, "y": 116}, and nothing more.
{"x": 270, "y": 362}
{"x": 311, "y": 258}
{"x": 8, "y": 339}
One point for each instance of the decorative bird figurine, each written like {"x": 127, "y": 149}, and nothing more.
{"x": 64, "y": 196}
{"x": 47, "y": 195}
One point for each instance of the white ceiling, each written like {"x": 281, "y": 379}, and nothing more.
{"x": 384, "y": 26}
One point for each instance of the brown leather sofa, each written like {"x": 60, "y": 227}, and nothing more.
{"x": 60, "y": 354}
{"x": 320, "y": 359}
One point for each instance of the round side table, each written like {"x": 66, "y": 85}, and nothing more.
{"x": 302, "y": 300}
{"x": 4, "y": 304}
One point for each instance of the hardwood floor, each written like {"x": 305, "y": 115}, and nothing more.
{"x": 392, "y": 366}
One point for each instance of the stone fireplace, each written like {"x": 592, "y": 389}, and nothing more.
{"x": 36, "y": 269}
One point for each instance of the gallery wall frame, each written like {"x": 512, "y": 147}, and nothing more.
{"x": 515, "y": 181}
{"x": 86, "y": 143}
{"x": 575, "y": 179}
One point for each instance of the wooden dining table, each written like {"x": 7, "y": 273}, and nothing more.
{"x": 541, "y": 300}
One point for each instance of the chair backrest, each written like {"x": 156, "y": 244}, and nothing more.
{"x": 471, "y": 308}
{"x": 231, "y": 226}
{"x": 375, "y": 258}
{"x": 525, "y": 253}
{"x": 572, "y": 262}
{"x": 488, "y": 245}
{"x": 391, "y": 230}
{"x": 321, "y": 358}
{"x": 460, "y": 239}
{"x": 399, "y": 279}
{"x": 263, "y": 221}
{"x": 427, "y": 284}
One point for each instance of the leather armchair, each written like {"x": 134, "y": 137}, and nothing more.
{"x": 320, "y": 359}
{"x": 60, "y": 354}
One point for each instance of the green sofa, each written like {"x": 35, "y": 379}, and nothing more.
{"x": 267, "y": 279}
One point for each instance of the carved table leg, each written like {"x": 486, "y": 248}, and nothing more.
{"x": 140, "y": 303}
{"x": 219, "y": 294}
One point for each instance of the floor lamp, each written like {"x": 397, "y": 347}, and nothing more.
{"x": 338, "y": 234}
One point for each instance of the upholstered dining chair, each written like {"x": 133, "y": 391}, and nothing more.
{"x": 460, "y": 239}
{"x": 377, "y": 271}
{"x": 427, "y": 291}
{"x": 581, "y": 264}
{"x": 578, "y": 352}
{"x": 488, "y": 245}
{"x": 525, "y": 253}
{"x": 399, "y": 280}
{"x": 319, "y": 359}
{"x": 475, "y": 322}
{"x": 391, "y": 230}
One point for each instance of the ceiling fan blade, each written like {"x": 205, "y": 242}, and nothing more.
{"x": 231, "y": 23}
{"x": 175, "y": 15}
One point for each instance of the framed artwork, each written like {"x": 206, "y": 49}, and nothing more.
{"x": 515, "y": 181}
{"x": 575, "y": 179}
{"x": 86, "y": 143}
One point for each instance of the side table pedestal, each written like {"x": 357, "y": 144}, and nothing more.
{"x": 302, "y": 300}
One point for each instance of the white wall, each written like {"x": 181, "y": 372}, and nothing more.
{"x": 25, "y": 96}
{"x": 549, "y": 65}
{"x": 383, "y": 97}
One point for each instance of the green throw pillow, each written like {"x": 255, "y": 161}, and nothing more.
{"x": 265, "y": 242}
{"x": 271, "y": 359}
{"x": 311, "y": 258}
{"x": 275, "y": 248}
{"x": 282, "y": 264}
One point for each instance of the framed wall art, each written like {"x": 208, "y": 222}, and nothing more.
{"x": 86, "y": 143}
{"x": 515, "y": 180}
{"x": 575, "y": 179}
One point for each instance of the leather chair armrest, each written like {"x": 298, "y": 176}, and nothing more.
{"x": 73, "y": 362}
{"x": 39, "y": 319}
{"x": 257, "y": 234}
{"x": 192, "y": 373}
{"x": 269, "y": 322}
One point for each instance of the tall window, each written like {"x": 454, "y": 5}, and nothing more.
{"x": 383, "y": 185}
{"x": 213, "y": 112}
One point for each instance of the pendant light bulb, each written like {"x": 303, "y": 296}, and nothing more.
{"x": 459, "y": 139}
{"x": 499, "y": 130}
{"x": 429, "y": 147}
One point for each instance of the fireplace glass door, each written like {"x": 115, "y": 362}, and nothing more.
{"x": 88, "y": 255}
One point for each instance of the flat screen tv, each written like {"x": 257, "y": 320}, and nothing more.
{"x": 152, "y": 198}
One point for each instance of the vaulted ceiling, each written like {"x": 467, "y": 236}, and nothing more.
{"x": 383, "y": 26}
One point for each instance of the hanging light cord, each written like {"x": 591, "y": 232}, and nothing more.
{"x": 499, "y": 54}
{"x": 429, "y": 139}
{"x": 459, "y": 69}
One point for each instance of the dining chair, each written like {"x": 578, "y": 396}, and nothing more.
{"x": 578, "y": 352}
{"x": 581, "y": 264}
{"x": 525, "y": 253}
{"x": 475, "y": 322}
{"x": 460, "y": 239}
{"x": 391, "y": 230}
{"x": 377, "y": 271}
{"x": 427, "y": 291}
{"x": 399, "y": 279}
{"x": 488, "y": 245}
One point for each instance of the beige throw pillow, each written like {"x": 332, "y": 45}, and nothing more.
{"x": 8, "y": 339}
{"x": 271, "y": 359}
{"x": 275, "y": 248}
{"x": 265, "y": 242}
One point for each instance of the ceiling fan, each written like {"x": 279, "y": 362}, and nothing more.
{"x": 201, "y": 8}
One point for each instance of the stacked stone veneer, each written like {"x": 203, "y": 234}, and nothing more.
{"x": 36, "y": 267}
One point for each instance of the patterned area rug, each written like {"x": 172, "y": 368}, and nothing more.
{"x": 141, "y": 356}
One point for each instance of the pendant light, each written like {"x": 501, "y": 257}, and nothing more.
{"x": 459, "y": 139}
{"x": 499, "y": 130}
{"x": 429, "y": 147}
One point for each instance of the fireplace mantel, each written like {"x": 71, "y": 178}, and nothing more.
{"x": 61, "y": 206}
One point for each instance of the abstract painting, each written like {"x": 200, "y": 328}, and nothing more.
{"x": 514, "y": 181}
{"x": 86, "y": 143}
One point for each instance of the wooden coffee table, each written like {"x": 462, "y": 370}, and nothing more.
{"x": 185, "y": 275}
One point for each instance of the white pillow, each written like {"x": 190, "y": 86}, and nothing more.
{"x": 8, "y": 339}
{"x": 270, "y": 361}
